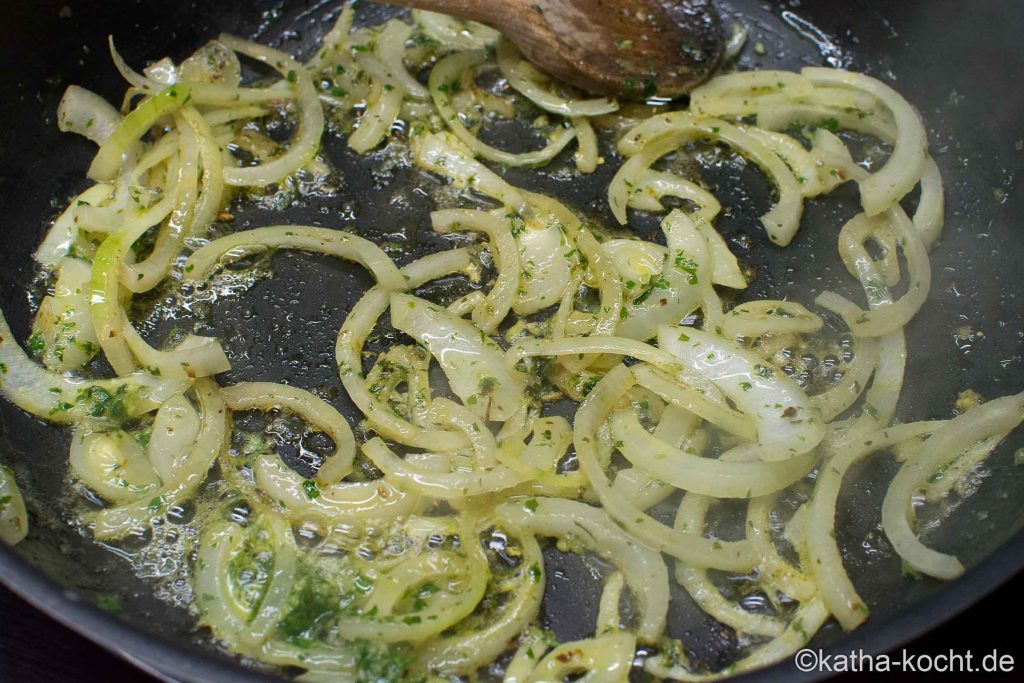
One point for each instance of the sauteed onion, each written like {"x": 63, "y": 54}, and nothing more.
{"x": 592, "y": 387}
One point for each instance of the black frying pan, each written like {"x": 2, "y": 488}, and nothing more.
{"x": 959, "y": 63}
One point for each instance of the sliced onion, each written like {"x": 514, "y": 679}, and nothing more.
{"x": 304, "y": 145}
{"x": 112, "y": 464}
{"x": 86, "y": 113}
{"x": 787, "y": 422}
{"x": 826, "y": 564}
{"x": 116, "y": 521}
{"x": 383, "y": 109}
{"x": 368, "y": 501}
{"x": 108, "y": 159}
{"x": 998, "y": 416}
{"x": 13, "y": 516}
{"x": 315, "y": 410}
{"x": 691, "y": 516}
{"x": 518, "y": 73}
{"x": 445, "y": 77}
{"x": 349, "y": 347}
{"x": 175, "y": 428}
{"x": 65, "y": 398}
{"x": 318, "y": 240}
{"x": 905, "y": 166}
{"x": 697, "y": 550}
{"x": 712, "y": 477}
{"x": 474, "y": 364}
{"x": 642, "y": 567}
{"x": 63, "y": 319}
{"x": 496, "y": 305}
{"x": 444, "y": 154}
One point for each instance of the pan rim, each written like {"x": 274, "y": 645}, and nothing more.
{"x": 174, "y": 663}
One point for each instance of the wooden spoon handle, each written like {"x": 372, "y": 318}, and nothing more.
{"x": 487, "y": 11}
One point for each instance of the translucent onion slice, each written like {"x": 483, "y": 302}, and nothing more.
{"x": 675, "y": 289}
{"x": 442, "y": 485}
{"x": 245, "y": 627}
{"x": 470, "y": 648}
{"x": 465, "y": 576}
{"x": 583, "y": 249}
{"x": 696, "y": 550}
{"x": 587, "y": 156}
{"x": 735, "y": 94}
{"x": 115, "y": 522}
{"x": 112, "y": 464}
{"x": 892, "y": 315}
{"x": 826, "y": 564}
{"x": 608, "y": 617}
{"x": 908, "y": 160}
{"x": 304, "y": 145}
{"x": 444, "y": 154}
{"x": 390, "y": 49}
{"x": 839, "y": 397}
{"x": 654, "y": 185}
{"x": 519, "y": 74}
{"x": 774, "y": 569}
{"x": 63, "y": 319}
{"x": 657, "y": 184}
{"x": 642, "y": 567}
{"x": 769, "y": 316}
{"x": 447, "y": 30}
{"x": 13, "y": 516}
{"x": 66, "y": 398}
{"x": 998, "y": 416}
{"x": 199, "y": 200}
{"x": 707, "y": 476}
{"x": 193, "y": 357}
{"x": 109, "y": 317}
{"x": 540, "y": 459}
{"x": 175, "y": 428}
{"x": 602, "y": 659}
{"x": 445, "y": 80}
{"x": 318, "y": 240}
{"x": 532, "y": 644}
{"x": 314, "y": 410}
{"x": 349, "y": 348}
{"x": 330, "y": 503}
{"x": 383, "y": 109}
{"x": 799, "y": 630}
{"x": 691, "y": 516}
{"x": 146, "y": 274}
{"x": 775, "y": 112}
{"x": 659, "y": 135}
{"x": 64, "y": 232}
{"x": 689, "y": 389}
{"x": 696, "y": 395}
{"x": 108, "y": 160}
{"x": 787, "y": 422}
{"x": 496, "y": 305}
{"x": 473, "y": 363}
{"x": 799, "y": 160}
{"x": 951, "y": 476}
{"x": 930, "y": 214}
{"x": 86, "y": 113}
{"x": 545, "y": 270}
{"x": 214, "y": 62}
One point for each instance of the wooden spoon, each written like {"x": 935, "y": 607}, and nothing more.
{"x": 630, "y": 48}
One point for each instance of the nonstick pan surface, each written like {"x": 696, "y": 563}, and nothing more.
{"x": 959, "y": 66}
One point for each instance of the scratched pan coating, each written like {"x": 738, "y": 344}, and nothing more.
{"x": 956, "y": 68}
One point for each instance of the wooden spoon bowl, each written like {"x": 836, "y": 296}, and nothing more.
{"x": 629, "y": 48}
